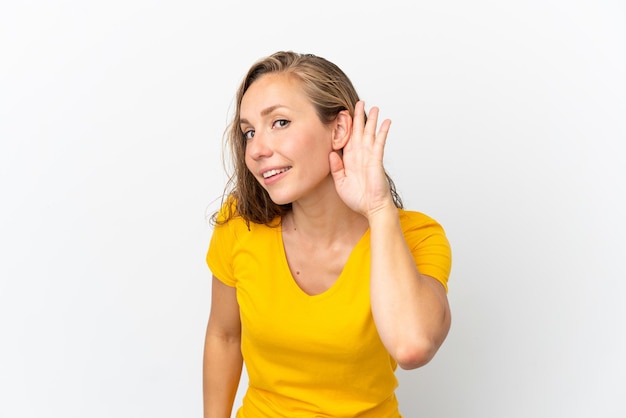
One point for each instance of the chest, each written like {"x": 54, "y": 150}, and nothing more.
{"x": 315, "y": 269}
{"x": 314, "y": 266}
{"x": 284, "y": 316}
{"x": 328, "y": 301}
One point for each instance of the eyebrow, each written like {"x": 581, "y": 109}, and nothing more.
{"x": 264, "y": 112}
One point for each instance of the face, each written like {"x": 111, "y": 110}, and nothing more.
{"x": 287, "y": 146}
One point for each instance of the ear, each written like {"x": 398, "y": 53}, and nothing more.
{"x": 342, "y": 130}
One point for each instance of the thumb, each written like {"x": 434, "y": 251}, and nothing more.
{"x": 336, "y": 166}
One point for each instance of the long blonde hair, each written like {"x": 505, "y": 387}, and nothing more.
{"x": 330, "y": 91}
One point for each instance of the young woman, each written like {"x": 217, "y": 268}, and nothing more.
{"x": 322, "y": 282}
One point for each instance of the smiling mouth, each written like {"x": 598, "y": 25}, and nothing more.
{"x": 272, "y": 173}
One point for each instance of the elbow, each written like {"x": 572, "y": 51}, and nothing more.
{"x": 414, "y": 355}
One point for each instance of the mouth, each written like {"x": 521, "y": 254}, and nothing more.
{"x": 271, "y": 173}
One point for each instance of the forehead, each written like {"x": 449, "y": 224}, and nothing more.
{"x": 271, "y": 90}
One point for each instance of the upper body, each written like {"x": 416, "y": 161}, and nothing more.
{"x": 307, "y": 156}
{"x": 314, "y": 353}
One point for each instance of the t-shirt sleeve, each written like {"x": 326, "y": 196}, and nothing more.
{"x": 220, "y": 254}
{"x": 430, "y": 247}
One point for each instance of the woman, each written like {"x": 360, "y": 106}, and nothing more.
{"x": 322, "y": 283}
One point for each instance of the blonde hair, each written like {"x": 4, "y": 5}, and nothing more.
{"x": 330, "y": 91}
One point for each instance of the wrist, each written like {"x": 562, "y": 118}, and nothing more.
{"x": 383, "y": 215}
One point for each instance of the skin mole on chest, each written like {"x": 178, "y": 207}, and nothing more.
{"x": 316, "y": 272}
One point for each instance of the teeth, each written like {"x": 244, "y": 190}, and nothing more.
{"x": 271, "y": 173}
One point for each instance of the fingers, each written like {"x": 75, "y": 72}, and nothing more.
{"x": 381, "y": 138}
{"x": 367, "y": 128}
{"x": 372, "y": 121}
{"x": 359, "y": 114}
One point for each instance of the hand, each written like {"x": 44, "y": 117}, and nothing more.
{"x": 359, "y": 175}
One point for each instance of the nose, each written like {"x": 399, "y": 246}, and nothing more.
{"x": 258, "y": 147}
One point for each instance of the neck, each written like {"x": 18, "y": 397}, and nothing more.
{"x": 324, "y": 220}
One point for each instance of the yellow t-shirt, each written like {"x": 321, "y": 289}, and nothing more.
{"x": 314, "y": 356}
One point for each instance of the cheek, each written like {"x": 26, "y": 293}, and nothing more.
{"x": 248, "y": 161}
{"x": 319, "y": 150}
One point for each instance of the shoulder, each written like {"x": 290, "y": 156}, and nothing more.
{"x": 428, "y": 243}
{"x": 227, "y": 222}
{"x": 232, "y": 241}
{"x": 418, "y": 221}
{"x": 424, "y": 234}
{"x": 229, "y": 214}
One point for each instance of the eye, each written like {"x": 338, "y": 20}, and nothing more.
{"x": 281, "y": 123}
{"x": 249, "y": 134}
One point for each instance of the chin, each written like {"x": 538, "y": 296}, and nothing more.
{"x": 281, "y": 200}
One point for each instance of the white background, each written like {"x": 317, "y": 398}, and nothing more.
{"x": 508, "y": 127}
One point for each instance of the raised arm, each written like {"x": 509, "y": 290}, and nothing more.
{"x": 410, "y": 310}
{"x": 222, "y": 352}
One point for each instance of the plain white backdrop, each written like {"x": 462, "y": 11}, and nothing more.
{"x": 508, "y": 127}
